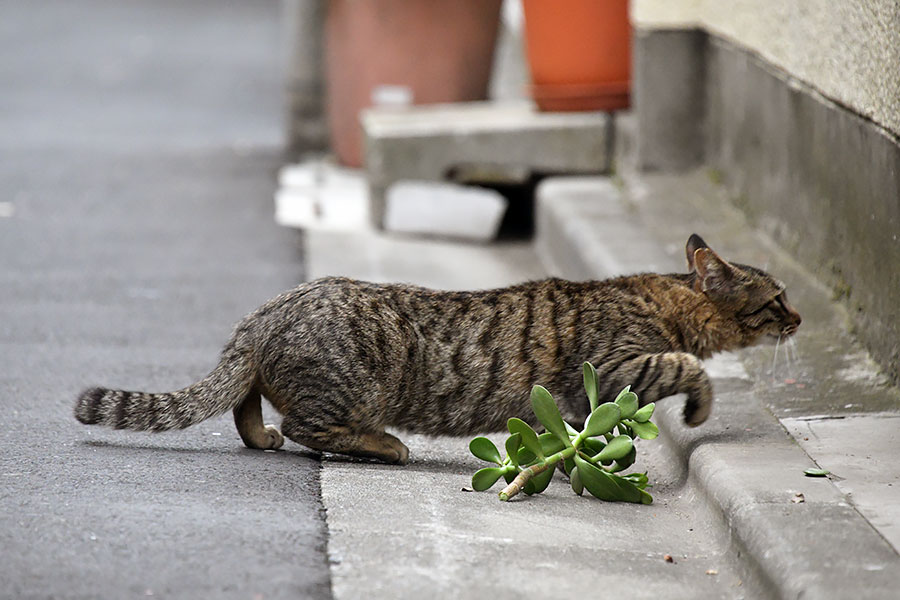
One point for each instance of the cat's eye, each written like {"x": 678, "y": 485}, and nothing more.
{"x": 781, "y": 301}
{"x": 754, "y": 311}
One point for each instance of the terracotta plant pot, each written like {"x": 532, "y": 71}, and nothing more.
{"x": 426, "y": 51}
{"x": 579, "y": 53}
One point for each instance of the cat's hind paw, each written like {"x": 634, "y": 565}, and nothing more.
{"x": 273, "y": 438}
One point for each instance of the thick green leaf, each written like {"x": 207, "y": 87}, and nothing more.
{"x": 571, "y": 430}
{"x": 624, "y": 391}
{"x": 568, "y": 465}
{"x": 550, "y": 443}
{"x": 597, "y": 481}
{"x": 485, "y": 478}
{"x": 644, "y": 413}
{"x": 646, "y": 498}
{"x": 529, "y": 437}
{"x": 509, "y": 475}
{"x": 575, "y": 480}
{"x": 542, "y": 480}
{"x": 618, "y": 447}
{"x": 628, "y": 402}
{"x": 638, "y": 479}
{"x": 592, "y": 446}
{"x": 485, "y": 449}
{"x": 526, "y": 457}
{"x": 547, "y": 412}
{"x": 602, "y": 419}
{"x": 646, "y": 431}
{"x": 591, "y": 384}
{"x": 513, "y": 443}
{"x": 626, "y": 461}
{"x": 628, "y": 491}
{"x": 816, "y": 472}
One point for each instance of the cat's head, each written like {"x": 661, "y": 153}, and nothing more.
{"x": 756, "y": 301}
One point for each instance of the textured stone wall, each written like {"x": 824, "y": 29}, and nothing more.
{"x": 848, "y": 50}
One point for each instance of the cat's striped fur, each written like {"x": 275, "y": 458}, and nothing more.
{"x": 343, "y": 359}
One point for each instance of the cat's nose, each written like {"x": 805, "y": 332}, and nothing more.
{"x": 795, "y": 318}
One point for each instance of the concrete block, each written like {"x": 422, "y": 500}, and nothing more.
{"x": 430, "y": 142}
{"x": 444, "y": 210}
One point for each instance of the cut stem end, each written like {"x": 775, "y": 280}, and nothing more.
{"x": 521, "y": 479}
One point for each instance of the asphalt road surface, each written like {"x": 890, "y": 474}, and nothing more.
{"x": 138, "y": 147}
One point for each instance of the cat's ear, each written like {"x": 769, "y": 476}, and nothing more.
{"x": 694, "y": 243}
{"x": 713, "y": 273}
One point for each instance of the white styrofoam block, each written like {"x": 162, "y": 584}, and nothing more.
{"x": 319, "y": 195}
{"x": 444, "y": 209}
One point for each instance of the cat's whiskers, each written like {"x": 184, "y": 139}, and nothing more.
{"x": 792, "y": 354}
{"x": 775, "y": 358}
{"x": 789, "y": 359}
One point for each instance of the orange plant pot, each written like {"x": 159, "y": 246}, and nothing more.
{"x": 432, "y": 50}
{"x": 579, "y": 53}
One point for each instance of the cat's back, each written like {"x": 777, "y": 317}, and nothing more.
{"x": 323, "y": 296}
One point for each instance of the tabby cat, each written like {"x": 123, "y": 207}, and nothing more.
{"x": 343, "y": 359}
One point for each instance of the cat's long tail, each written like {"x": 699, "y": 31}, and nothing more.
{"x": 220, "y": 391}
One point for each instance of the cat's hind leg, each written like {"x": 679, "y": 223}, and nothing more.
{"x": 249, "y": 422}
{"x": 344, "y": 439}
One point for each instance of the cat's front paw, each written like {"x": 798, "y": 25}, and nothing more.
{"x": 697, "y": 409}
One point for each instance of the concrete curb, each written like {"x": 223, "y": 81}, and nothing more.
{"x": 747, "y": 465}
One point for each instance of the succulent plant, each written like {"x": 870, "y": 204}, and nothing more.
{"x": 592, "y": 457}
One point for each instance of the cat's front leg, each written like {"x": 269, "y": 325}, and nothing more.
{"x": 655, "y": 376}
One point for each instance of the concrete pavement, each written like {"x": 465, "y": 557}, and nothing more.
{"x": 138, "y": 147}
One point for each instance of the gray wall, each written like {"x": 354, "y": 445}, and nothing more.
{"x": 820, "y": 178}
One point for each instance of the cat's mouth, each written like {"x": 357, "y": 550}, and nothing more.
{"x": 789, "y": 330}
{"x": 774, "y": 337}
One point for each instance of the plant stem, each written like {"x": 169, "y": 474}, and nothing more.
{"x": 518, "y": 484}
{"x": 521, "y": 479}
